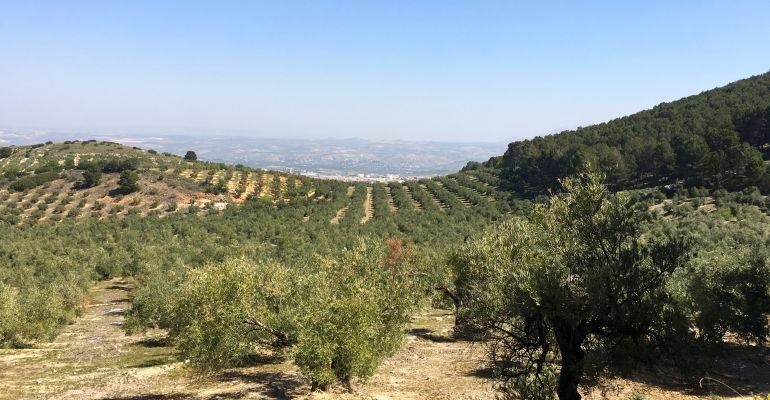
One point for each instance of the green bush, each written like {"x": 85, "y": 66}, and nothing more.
{"x": 128, "y": 182}
{"x": 336, "y": 317}
{"x": 31, "y": 181}
{"x": 224, "y": 310}
{"x": 355, "y": 312}
{"x": 10, "y": 316}
{"x": 92, "y": 175}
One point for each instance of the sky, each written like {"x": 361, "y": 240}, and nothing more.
{"x": 415, "y": 70}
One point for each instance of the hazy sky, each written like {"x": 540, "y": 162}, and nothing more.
{"x": 451, "y": 70}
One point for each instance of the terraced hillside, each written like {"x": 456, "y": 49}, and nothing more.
{"x": 47, "y": 182}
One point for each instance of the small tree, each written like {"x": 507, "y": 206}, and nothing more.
{"x": 355, "y": 312}
{"x": 190, "y": 156}
{"x": 6, "y": 152}
{"x": 92, "y": 175}
{"x": 578, "y": 271}
{"x": 337, "y": 317}
{"x": 128, "y": 182}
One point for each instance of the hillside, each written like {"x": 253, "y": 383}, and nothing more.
{"x": 126, "y": 273}
{"x": 171, "y": 184}
{"x": 718, "y": 139}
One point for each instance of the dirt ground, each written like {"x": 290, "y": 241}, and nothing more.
{"x": 93, "y": 359}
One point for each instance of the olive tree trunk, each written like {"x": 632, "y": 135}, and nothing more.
{"x": 570, "y": 340}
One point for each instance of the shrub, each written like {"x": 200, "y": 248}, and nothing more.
{"x": 730, "y": 292}
{"x": 128, "y": 182}
{"x": 116, "y": 165}
{"x": 337, "y": 318}
{"x": 31, "y": 181}
{"x": 224, "y": 310}
{"x": 92, "y": 175}
{"x": 11, "y": 322}
{"x": 356, "y": 309}
{"x": 6, "y": 151}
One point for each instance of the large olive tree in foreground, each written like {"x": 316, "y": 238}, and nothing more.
{"x": 577, "y": 274}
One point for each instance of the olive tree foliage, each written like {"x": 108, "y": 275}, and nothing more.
{"x": 731, "y": 293}
{"x": 10, "y": 315}
{"x": 577, "y": 276}
{"x": 355, "y": 310}
{"x": 224, "y": 310}
{"x": 337, "y": 316}
{"x": 726, "y": 286}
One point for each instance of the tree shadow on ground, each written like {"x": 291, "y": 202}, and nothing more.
{"x": 257, "y": 384}
{"x": 153, "y": 362}
{"x": 271, "y": 385}
{"x": 483, "y": 372}
{"x": 429, "y": 334}
{"x": 158, "y": 396}
{"x": 732, "y": 370}
{"x": 153, "y": 342}
{"x": 116, "y": 312}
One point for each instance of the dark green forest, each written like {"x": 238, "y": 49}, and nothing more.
{"x": 717, "y": 139}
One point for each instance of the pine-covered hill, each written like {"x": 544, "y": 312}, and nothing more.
{"x": 718, "y": 139}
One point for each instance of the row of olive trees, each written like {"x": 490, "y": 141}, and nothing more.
{"x": 589, "y": 278}
{"x": 335, "y": 317}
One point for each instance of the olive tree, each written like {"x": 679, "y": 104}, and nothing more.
{"x": 577, "y": 273}
{"x": 355, "y": 311}
{"x": 336, "y": 316}
{"x": 223, "y": 311}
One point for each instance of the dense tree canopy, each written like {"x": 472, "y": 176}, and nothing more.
{"x": 716, "y": 138}
{"x": 576, "y": 270}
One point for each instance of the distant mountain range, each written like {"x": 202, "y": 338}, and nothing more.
{"x": 322, "y": 157}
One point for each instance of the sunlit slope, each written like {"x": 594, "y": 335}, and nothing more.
{"x": 46, "y": 182}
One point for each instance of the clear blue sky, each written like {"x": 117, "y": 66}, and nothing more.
{"x": 451, "y": 70}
